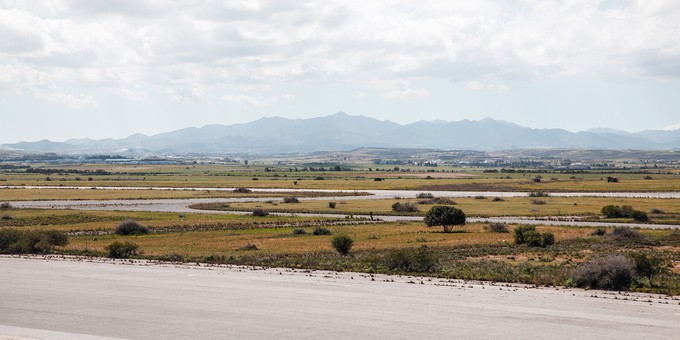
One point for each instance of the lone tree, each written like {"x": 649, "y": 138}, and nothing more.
{"x": 445, "y": 216}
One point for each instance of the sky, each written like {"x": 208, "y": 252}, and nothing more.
{"x": 109, "y": 69}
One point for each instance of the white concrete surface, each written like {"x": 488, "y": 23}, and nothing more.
{"x": 65, "y": 299}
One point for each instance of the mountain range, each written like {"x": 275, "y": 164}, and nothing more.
{"x": 341, "y": 131}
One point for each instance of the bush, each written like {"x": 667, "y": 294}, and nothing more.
{"x": 5, "y": 205}
{"x": 122, "y": 250}
{"x": 332, "y": 205}
{"x": 242, "y": 190}
{"x": 291, "y": 199}
{"x": 321, "y": 231}
{"x": 131, "y": 227}
{"x": 528, "y": 234}
{"x": 539, "y": 202}
{"x": 533, "y": 238}
{"x": 599, "y": 232}
{"x": 443, "y": 200}
{"x": 406, "y": 207}
{"x": 497, "y": 199}
{"x": 424, "y": 195}
{"x": 611, "y": 211}
{"x": 614, "y": 272}
{"x": 422, "y": 260}
{"x": 521, "y": 231}
{"x": 648, "y": 265}
{"x": 445, "y": 216}
{"x": 498, "y": 228}
{"x": 260, "y": 212}
{"x": 628, "y": 235}
{"x": 639, "y": 216}
{"x": 248, "y": 246}
{"x": 14, "y": 241}
{"x": 539, "y": 194}
{"x": 299, "y": 231}
{"x": 6, "y": 217}
{"x": 342, "y": 243}
{"x": 656, "y": 211}
{"x": 548, "y": 239}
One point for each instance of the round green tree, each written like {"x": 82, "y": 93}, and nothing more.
{"x": 445, "y": 216}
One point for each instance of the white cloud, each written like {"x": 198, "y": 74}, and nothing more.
{"x": 672, "y": 127}
{"x": 73, "y": 101}
{"x": 479, "y": 86}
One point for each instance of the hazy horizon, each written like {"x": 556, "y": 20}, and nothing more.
{"x": 85, "y": 69}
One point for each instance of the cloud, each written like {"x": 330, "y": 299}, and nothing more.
{"x": 672, "y": 127}
{"x": 169, "y": 45}
{"x": 479, "y": 86}
{"x": 73, "y": 101}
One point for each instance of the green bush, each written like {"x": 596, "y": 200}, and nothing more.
{"x": 648, "y": 265}
{"x": 639, "y": 216}
{"x": 528, "y": 235}
{"x": 299, "y": 231}
{"x": 521, "y": 231}
{"x": 342, "y": 243}
{"x": 533, "y": 238}
{"x": 242, "y": 190}
{"x": 321, "y": 231}
{"x": 614, "y": 272}
{"x": 422, "y": 260}
{"x": 131, "y": 227}
{"x": 15, "y": 241}
{"x": 121, "y": 250}
{"x": 332, "y": 205}
{"x": 260, "y": 212}
{"x": 291, "y": 199}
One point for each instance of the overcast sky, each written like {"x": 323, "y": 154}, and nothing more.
{"x": 98, "y": 69}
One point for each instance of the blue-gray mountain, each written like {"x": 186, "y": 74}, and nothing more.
{"x": 342, "y": 132}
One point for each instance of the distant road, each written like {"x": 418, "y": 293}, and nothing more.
{"x": 181, "y": 205}
{"x": 60, "y": 299}
{"x": 376, "y": 194}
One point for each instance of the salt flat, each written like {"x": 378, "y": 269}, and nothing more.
{"x": 59, "y": 298}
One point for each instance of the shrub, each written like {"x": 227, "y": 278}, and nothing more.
{"x": 291, "y": 199}
{"x": 299, "y": 231}
{"x": 599, "y": 232}
{"x": 656, "y": 211}
{"x": 131, "y": 227}
{"x": 406, "y": 207}
{"x": 377, "y": 179}
{"x": 242, "y": 190}
{"x": 422, "y": 260}
{"x": 6, "y": 217}
{"x": 121, "y": 250}
{"x": 332, "y": 205}
{"x": 445, "y": 216}
{"x": 248, "y": 246}
{"x": 628, "y": 235}
{"x": 539, "y": 202}
{"x": 498, "y": 227}
{"x": 342, "y": 243}
{"x": 521, "y": 231}
{"x": 613, "y": 272}
{"x": 424, "y": 195}
{"x": 639, "y": 216}
{"x": 321, "y": 231}
{"x": 14, "y": 241}
{"x": 548, "y": 239}
{"x": 443, "y": 200}
{"x": 5, "y": 205}
{"x": 260, "y": 212}
{"x": 539, "y": 194}
{"x": 497, "y": 199}
{"x": 533, "y": 238}
{"x": 648, "y": 265}
{"x": 480, "y": 197}
{"x": 611, "y": 211}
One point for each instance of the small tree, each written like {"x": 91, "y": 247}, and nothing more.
{"x": 342, "y": 243}
{"x": 445, "y": 216}
{"x": 121, "y": 250}
{"x": 131, "y": 227}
